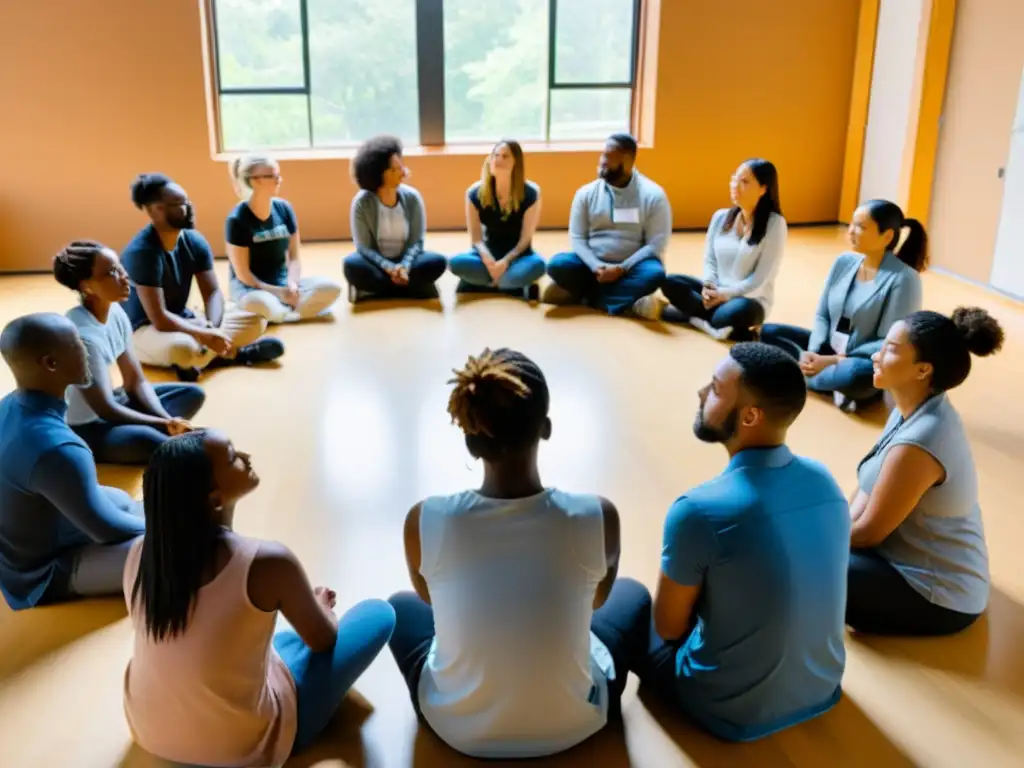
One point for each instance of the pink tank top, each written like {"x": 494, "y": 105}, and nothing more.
{"x": 217, "y": 694}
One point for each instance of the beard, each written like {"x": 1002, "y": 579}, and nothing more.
{"x": 708, "y": 433}
{"x": 188, "y": 221}
{"x": 614, "y": 176}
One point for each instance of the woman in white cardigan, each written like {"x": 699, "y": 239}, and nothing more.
{"x": 742, "y": 252}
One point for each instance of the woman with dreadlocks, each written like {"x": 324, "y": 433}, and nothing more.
{"x": 209, "y": 682}
{"x": 121, "y": 424}
{"x": 515, "y": 643}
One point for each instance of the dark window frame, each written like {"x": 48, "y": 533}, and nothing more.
{"x": 429, "y": 71}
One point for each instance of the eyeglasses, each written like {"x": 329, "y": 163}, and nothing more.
{"x": 274, "y": 176}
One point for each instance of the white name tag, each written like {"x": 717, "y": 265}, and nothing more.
{"x": 839, "y": 342}
{"x": 626, "y": 216}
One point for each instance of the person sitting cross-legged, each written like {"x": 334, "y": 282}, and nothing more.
{"x": 518, "y": 639}
{"x": 619, "y": 227}
{"x": 502, "y": 211}
{"x": 62, "y": 534}
{"x": 120, "y": 424}
{"x": 748, "y": 624}
{"x": 389, "y": 224}
{"x": 161, "y": 261}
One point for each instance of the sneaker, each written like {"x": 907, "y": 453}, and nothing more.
{"x": 292, "y": 317}
{"x": 261, "y": 351}
{"x": 649, "y": 307}
{"x": 532, "y": 292}
{"x": 190, "y": 375}
{"x": 844, "y": 403}
{"x": 557, "y": 295}
{"x": 719, "y": 334}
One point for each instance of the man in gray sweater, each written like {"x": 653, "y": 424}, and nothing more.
{"x": 619, "y": 226}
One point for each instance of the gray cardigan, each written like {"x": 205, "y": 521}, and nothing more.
{"x": 897, "y": 293}
{"x": 364, "y": 226}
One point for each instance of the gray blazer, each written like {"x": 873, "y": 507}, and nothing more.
{"x": 364, "y": 226}
{"x": 897, "y": 294}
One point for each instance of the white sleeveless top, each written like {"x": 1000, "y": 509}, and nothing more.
{"x": 514, "y": 670}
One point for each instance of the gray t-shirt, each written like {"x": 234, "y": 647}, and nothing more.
{"x": 940, "y": 548}
{"x": 105, "y": 343}
{"x": 392, "y": 230}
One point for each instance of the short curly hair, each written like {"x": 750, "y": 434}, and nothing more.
{"x": 372, "y": 159}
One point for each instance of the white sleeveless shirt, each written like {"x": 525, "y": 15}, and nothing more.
{"x": 514, "y": 670}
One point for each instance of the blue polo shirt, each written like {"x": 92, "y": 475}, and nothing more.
{"x": 50, "y": 500}
{"x": 768, "y": 541}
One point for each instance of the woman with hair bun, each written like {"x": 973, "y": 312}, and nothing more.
{"x": 263, "y": 247}
{"x": 515, "y": 643}
{"x": 866, "y": 291}
{"x": 121, "y": 424}
{"x": 919, "y": 564}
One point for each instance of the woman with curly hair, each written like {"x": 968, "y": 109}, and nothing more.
{"x": 389, "y": 223}
{"x": 518, "y": 639}
{"x": 919, "y": 564}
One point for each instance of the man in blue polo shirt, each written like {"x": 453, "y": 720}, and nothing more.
{"x": 749, "y": 612}
{"x": 62, "y": 535}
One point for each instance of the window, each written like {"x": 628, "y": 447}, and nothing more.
{"x": 332, "y": 73}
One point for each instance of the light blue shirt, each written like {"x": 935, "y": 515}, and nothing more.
{"x": 768, "y": 541}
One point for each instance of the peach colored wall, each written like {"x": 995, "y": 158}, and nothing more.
{"x": 974, "y": 141}
{"x": 96, "y": 92}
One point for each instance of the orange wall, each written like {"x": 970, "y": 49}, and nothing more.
{"x": 95, "y": 92}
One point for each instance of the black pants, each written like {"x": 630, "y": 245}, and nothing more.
{"x": 364, "y": 275}
{"x": 852, "y": 377}
{"x": 621, "y": 624}
{"x": 880, "y": 602}
{"x": 741, "y": 314}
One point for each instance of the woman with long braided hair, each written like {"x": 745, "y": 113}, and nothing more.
{"x": 121, "y": 423}
{"x": 209, "y": 682}
{"x": 515, "y": 643}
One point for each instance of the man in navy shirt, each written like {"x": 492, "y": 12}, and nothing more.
{"x": 62, "y": 535}
{"x": 749, "y": 611}
{"x": 161, "y": 260}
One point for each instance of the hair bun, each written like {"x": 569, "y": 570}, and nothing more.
{"x": 981, "y": 331}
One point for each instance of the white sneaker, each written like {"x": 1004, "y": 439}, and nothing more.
{"x": 649, "y": 307}
{"x": 719, "y": 334}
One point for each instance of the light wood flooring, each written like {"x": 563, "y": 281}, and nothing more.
{"x": 351, "y": 430}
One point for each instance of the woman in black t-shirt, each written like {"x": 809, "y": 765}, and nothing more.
{"x": 263, "y": 247}
{"x": 502, "y": 211}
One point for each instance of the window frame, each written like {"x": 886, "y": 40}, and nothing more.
{"x": 430, "y": 75}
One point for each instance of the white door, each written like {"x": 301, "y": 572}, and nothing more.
{"x": 1008, "y": 264}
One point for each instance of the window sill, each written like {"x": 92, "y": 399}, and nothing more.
{"x": 448, "y": 150}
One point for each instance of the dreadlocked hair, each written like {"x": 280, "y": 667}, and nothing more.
{"x": 500, "y": 401}
{"x": 181, "y": 535}
{"x": 75, "y": 261}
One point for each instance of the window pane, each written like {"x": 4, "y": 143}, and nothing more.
{"x": 496, "y": 69}
{"x": 259, "y": 43}
{"x": 594, "y": 41}
{"x": 363, "y": 70}
{"x": 589, "y": 114}
{"x": 264, "y": 122}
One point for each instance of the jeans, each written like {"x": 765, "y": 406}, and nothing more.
{"x": 621, "y": 624}
{"x": 569, "y": 272}
{"x": 135, "y": 443}
{"x": 741, "y": 314}
{"x": 322, "y": 679}
{"x": 852, "y": 377}
{"x": 363, "y": 275}
{"x": 316, "y": 295}
{"x": 880, "y": 601}
{"x": 527, "y": 269}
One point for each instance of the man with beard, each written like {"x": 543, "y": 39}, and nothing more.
{"x": 619, "y": 226}
{"x": 749, "y": 612}
{"x": 161, "y": 261}
{"x": 62, "y": 534}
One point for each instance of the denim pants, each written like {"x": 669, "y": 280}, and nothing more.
{"x": 363, "y": 275}
{"x": 569, "y": 272}
{"x": 527, "y": 269}
{"x": 851, "y": 377}
{"x": 741, "y": 314}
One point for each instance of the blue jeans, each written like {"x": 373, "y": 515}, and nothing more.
{"x": 323, "y": 679}
{"x": 852, "y": 377}
{"x": 569, "y": 271}
{"x": 527, "y": 269}
{"x": 135, "y": 443}
{"x": 741, "y": 314}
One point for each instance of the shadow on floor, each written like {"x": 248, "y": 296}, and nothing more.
{"x": 368, "y": 306}
{"x": 28, "y": 636}
{"x": 843, "y": 736}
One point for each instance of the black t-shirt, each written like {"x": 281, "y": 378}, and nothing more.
{"x": 266, "y": 239}
{"x": 502, "y": 231}
{"x": 149, "y": 264}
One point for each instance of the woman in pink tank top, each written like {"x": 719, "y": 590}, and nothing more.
{"x": 209, "y": 682}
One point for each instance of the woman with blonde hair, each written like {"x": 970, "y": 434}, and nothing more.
{"x": 263, "y": 246}
{"x": 502, "y": 211}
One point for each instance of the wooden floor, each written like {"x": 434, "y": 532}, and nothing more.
{"x": 351, "y": 430}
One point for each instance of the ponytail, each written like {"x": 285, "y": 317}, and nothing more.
{"x": 888, "y": 217}
{"x": 914, "y": 250}
{"x": 240, "y": 169}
